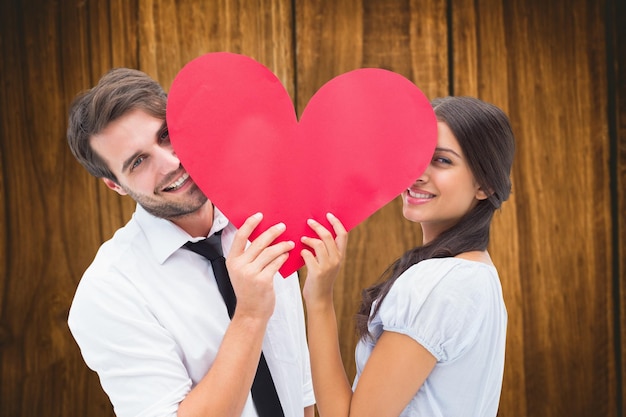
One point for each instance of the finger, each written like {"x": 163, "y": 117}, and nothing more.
{"x": 325, "y": 244}
{"x": 321, "y": 231}
{"x": 263, "y": 241}
{"x": 340, "y": 232}
{"x": 243, "y": 234}
{"x": 307, "y": 255}
{"x": 271, "y": 253}
{"x": 311, "y": 242}
{"x": 319, "y": 248}
{"x": 272, "y": 268}
{"x": 309, "y": 259}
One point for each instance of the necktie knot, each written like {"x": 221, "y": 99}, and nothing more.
{"x": 210, "y": 248}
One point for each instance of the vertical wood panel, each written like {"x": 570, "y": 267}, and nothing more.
{"x": 616, "y": 11}
{"x": 37, "y": 291}
{"x": 173, "y": 33}
{"x": 12, "y": 364}
{"x": 561, "y": 64}
{"x": 547, "y": 71}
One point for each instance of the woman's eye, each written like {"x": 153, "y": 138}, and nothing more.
{"x": 442, "y": 160}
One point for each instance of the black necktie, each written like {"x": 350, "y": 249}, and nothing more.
{"x": 263, "y": 390}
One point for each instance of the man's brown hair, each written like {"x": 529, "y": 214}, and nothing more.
{"x": 118, "y": 92}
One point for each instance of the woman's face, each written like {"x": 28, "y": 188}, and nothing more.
{"x": 445, "y": 191}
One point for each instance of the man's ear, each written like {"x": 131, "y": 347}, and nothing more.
{"x": 114, "y": 186}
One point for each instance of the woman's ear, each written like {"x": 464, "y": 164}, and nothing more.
{"x": 114, "y": 186}
{"x": 482, "y": 195}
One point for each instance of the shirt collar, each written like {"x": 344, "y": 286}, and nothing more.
{"x": 165, "y": 238}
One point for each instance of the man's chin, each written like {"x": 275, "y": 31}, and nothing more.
{"x": 175, "y": 211}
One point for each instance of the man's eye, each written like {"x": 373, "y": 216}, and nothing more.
{"x": 164, "y": 136}
{"x": 137, "y": 162}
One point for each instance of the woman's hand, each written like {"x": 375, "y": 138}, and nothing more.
{"x": 323, "y": 261}
{"x": 252, "y": 269}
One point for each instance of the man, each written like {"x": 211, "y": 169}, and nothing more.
{"x": 147, "y": 314}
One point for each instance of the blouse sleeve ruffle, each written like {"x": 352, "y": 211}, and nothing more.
{"x": 437, "y": 304}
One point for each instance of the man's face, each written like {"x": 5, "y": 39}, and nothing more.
{"x": 137, "y": 149}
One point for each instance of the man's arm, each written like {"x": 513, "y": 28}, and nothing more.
{"x": 225, "y": 388}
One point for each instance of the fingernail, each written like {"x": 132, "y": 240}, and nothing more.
{"x": 257, "y": 215}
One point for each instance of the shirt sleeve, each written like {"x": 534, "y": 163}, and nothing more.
{"x": 437, "y": 305}
{"x": 307, "y": 381}
{"x": 138, "y": 361}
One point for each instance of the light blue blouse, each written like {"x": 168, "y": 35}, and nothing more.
{"x": 455, "y": 309}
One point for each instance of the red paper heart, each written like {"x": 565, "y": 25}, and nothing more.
{"x": 363, "y": 138}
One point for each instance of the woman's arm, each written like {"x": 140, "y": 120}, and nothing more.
{"x": 330, "y": 383}
{"x": 333, "y": 392}
{"x": 395, "y": 371}
{"x": 398, "y": 365}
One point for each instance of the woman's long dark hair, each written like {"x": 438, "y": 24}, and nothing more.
{"x": 486, "y": 139}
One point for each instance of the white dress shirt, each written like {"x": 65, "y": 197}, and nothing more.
{"x": 149, "y": 319}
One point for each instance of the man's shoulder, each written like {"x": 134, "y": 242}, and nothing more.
{"x": 115, "y": 257}
{"x": 121, "y": 245}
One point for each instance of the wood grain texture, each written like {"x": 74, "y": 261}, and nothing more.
{"x": 616, "y": 12}
{"x": 557, "y": 103}
{"x": 559, "y": 242}
{"x": 173, "y": 33}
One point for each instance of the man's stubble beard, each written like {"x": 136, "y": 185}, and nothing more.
{"x": 170, "y": 209}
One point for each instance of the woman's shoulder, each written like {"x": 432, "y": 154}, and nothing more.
{"x": 443, "y": 273}
{"x": 476, "y": 256}
{"x": 445, "y": 265}
{"x": 441, "y": 299}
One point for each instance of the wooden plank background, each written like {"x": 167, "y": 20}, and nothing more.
{"x": 557, "y": 67}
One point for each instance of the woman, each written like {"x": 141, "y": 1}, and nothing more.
{"x": 433, "y": 329}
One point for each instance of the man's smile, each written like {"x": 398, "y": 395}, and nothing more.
{"x": 177, "y": 184}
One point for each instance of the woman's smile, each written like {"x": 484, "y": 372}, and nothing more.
{"x": 416, "y": 196}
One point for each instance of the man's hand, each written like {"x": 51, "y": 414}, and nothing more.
{"x": 252, "y": 269}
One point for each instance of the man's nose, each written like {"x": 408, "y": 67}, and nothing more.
{"x": 168, "y": 161}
